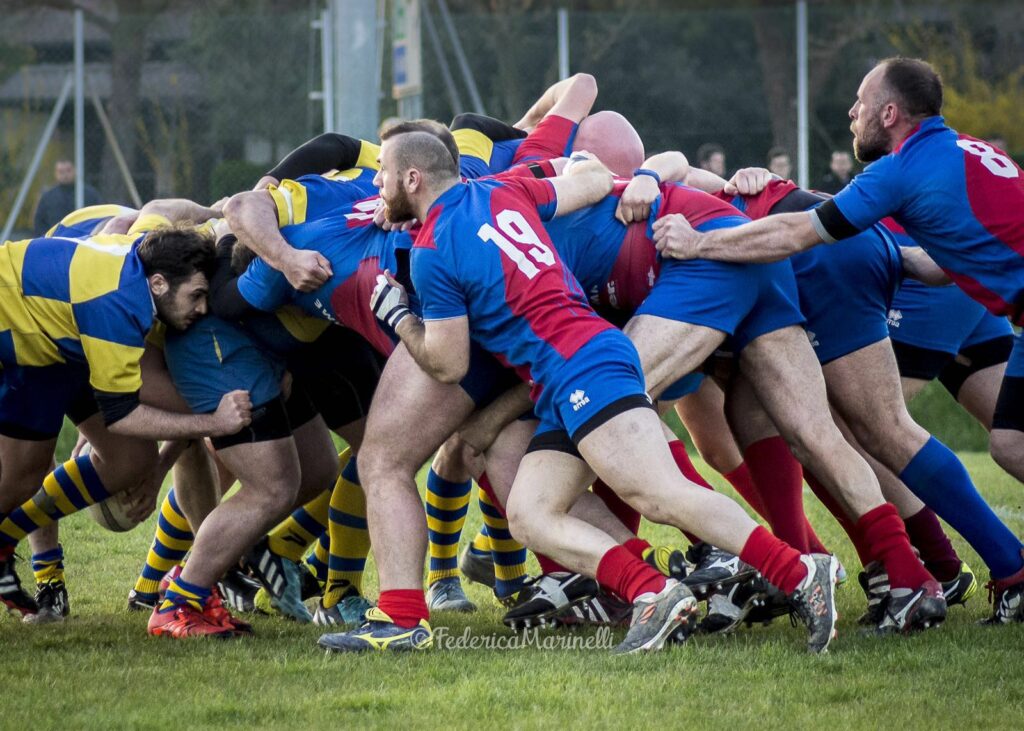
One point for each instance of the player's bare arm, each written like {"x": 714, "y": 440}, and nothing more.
{"x": 180, "y": 210}
{"x": 146, "y": 422}
{"x": 643, "y": 189}
{"x": 481, "y": 429}
{"x": 571, "y": 98}
{"x": 767, "y": 240}
{"x": 584, "y": 183}
{"x": 252, "y": 216}
{"x": 918, "y": 265}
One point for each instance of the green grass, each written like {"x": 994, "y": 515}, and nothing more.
{"x": 100, "y": 670}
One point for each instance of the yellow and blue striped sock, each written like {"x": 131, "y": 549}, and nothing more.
{"x": 172, "y": 541}
{"x": 48, "y": 566}
{"x": 317, "y": 559}
{"x": 481, "y": 545}
{"x": 71, "y": 487}
{"x": 180, "y": 592}
{"x": 349, "y": 537}
{"x": 509, "y": 555}
{"x": 447, "y": 504}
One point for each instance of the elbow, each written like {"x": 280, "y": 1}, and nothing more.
{"x": 585, "y": 84}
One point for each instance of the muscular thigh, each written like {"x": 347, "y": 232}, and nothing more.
{"x": 669, "y": 349}
{"x": 411, "y": 415}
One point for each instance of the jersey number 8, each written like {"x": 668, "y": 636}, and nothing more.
{"x": 994, "y": 162}
{"x": 515, "y": 227}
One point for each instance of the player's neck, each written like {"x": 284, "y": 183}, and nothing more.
{"x": 430, "y": 197}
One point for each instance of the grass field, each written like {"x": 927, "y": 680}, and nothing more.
{"x": 100, "y": 671}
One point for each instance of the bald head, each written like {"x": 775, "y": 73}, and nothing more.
{"x": 613, "y": 139}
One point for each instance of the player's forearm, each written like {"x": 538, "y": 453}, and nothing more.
{"x": 482, "y": 428}
{"x": 146, "y": 422}
{"x": 585, "y": 183}
{"x": 704, "y": 180}
{"x": 252, "y": 217}
{"x": 179, "y": 210}
{"x": 918, "y": 265}
{"x": 583, "y": 86}
{"x": 435, "y": 361}
{"x": 671, "y": 167}
{"x": 767, "y": 240}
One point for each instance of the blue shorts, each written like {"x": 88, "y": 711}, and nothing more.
{"x": 34, "y": 399}
{"x": 602, "y": 373}
{"x": 846, "y": 290}
{"x": 486, "y": 378}
{"x": 215, "y": 357}
{"x": 941, "y": 318}
{"x": 744, "y": 301}
{"x": 683, "y": 387}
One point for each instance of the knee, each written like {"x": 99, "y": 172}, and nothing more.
{"x": 521, "y": 521}
{"x": 1005, "y": 445}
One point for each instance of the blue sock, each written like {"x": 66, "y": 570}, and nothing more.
{"x": 939, "y": 479}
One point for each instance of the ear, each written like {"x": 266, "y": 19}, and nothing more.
{"x": 413, "y": 180}
{"x": 890, "y": 114}
{"x": 158, "y": 285}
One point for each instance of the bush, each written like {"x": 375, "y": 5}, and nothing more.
{"x": 233, "y": 176}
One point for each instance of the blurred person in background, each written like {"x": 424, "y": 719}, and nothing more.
{"x": 840, "y": 170}
{"x": 59, "y": 201}
{"x": 711, "y": 157}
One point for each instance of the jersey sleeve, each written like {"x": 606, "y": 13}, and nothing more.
{"x": 476, "y": 135}
{"x": 113, "y": 336}
{"x": 553, "y": 137}
{"x": 310, "y": 198}
{"x": 264, "y": 287}
{"x": 539, "y": 192}
{"x": 329, "y": 151}
{"x": 871, "y": 196}
{"x": 440, "y": 295}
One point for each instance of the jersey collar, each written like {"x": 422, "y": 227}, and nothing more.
{"x": 925, "y": 124}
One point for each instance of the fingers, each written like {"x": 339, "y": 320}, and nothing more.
{"x": 324, "y": 264}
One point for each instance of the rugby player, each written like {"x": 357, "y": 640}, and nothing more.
{"x": 504, "y": 297}
{"x": 76, "y": 314}
{"x": 962, "y": 201}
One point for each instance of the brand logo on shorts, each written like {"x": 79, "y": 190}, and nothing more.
{"x": 578, "y": 399}
{"x": 813, "y": 338}
{"x": 894, "y": 318}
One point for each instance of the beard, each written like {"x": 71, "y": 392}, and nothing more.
{"x": 169, "y": 314}
{"x": 399, "y": 207}
{"x": 871, "y": 143}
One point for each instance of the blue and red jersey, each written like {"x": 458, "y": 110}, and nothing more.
{"x": 483, "y": 253}
{"x": 958, "y": 197}
{"x": 343, "y": 231}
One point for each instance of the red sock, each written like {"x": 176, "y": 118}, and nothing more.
{"x": 636, "y": 547}
{"x": 548, "y": 566}
{"x": 813, "y": 542}
{"x": 406, "y": 607}
{"x": 678, "y": 450}
{"x": 485, "y": 483}
{"x": 743, "y": 482}
{"x": 626, "y": 575}
{"x": 884, "y": 532}
{"x": 619, "y": 507}
{"x": 863, "y": 547}
{"x": 778, "y": 562}
{"x": 779, "y": 479}
{"x": 926, "y": 535}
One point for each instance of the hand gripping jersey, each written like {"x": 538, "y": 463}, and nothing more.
{"x": 846, "y": 291}
{"x": 960, "y": 198}
{"x": 329, "y": 217}
{"x": 483, "y": 254}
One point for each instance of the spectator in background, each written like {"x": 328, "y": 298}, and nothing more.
{"x": 711, "y": 157}
{"x": 779, "y": 163}
{"x": 59, "y": 200}
{"x": 840, "y": 169}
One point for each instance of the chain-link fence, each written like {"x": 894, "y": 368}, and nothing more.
{"x": 196, "y": 98}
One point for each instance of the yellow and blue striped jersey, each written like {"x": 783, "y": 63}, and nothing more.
{"x": 84, "y": 221}
{"x": 85, "y": 300}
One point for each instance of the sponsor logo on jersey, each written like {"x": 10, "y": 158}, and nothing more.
{"x": 894, "y": 318}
